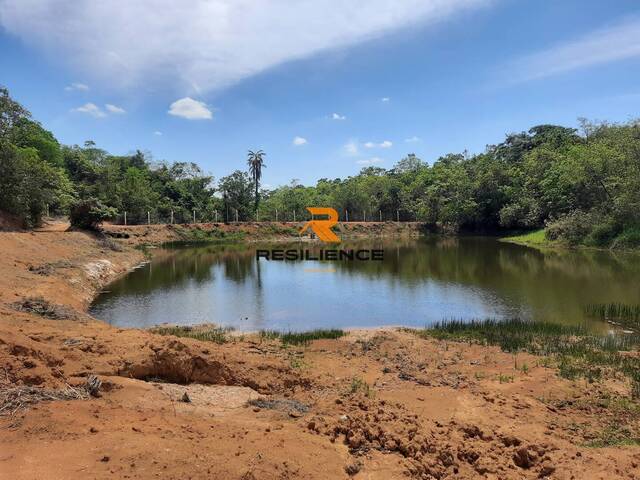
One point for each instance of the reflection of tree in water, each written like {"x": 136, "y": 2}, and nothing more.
{"x": 179, "y": 266}
{"x": 558, "y": 281}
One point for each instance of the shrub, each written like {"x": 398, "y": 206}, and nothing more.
{"x": 90, "y": 213}
{"x": 572, "y": 227}
{"x": 629, "y": 238}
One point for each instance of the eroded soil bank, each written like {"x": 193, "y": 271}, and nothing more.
{"x": 374, "y": 404}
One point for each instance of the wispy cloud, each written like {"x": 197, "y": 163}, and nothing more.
{"x": 609, "y": 44}
{"x": 351, "y": 148}
{"x": 384, "y": 144}
{"x": 190, "y": 109}
{"x": 299, "y": 141}
{"x": 385, "y": 99}
{"x": 77, "y": 86}
{"x": 91, "y": 109}
{"x": 413, "y": 139}
{"x": 337, "y": 116}
{"x": 200, "y": 45}
{"x": 114, "y": 109}
{"x": 157, "y": 133}
{"x": 370, "y": 161}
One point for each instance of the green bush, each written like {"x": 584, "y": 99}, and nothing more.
{"x": 90, "y": 213}
{"x": 629, "y": 238}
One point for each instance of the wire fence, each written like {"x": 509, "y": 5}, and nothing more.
{"x": 233, "y": 215}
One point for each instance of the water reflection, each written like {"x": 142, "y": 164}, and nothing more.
{"x": 420, "y": 281}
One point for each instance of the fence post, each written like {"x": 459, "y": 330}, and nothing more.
{"x": 125, "y": 218}
{"x": 236, "y": 215}
{"x": 194, "y": 216}
{"x": 294, "y": 216}
{"x": 346, "y": 215}
{"x": 398, "y": 216}
{"x": 171, "y": 217}
{"x": 276, "y": 214}
{"x": 148, "y": 218}
{"x": 380, "y": 215}
{"x": 364, "y": 215}
{"x": 48, "y": 210}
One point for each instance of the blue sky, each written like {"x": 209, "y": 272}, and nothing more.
{"x": 204, "y": 81}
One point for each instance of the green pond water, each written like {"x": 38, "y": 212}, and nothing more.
{"x": 419, "y": 282}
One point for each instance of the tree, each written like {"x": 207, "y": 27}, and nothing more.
{"x": 90, "y": 213}
{"x": 236, "y": 194}
{"x": 256, "y": 163}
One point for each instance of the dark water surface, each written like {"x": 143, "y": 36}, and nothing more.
{"x": 420, "y": 281}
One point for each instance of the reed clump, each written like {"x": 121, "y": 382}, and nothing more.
{"x": 577, "y": 352}
{"x": 625, "y": 315}
{"x": 205, "y": 333}
{"x": 302, "y": 338}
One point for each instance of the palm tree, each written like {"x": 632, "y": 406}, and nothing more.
{"x": 256, "y": 163}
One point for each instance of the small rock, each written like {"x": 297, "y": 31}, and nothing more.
{"x": 105, "y": 459}
{"x": 546, "y": 470}
{"x": 185, "y": 398}
{"x": 353, "y": 468}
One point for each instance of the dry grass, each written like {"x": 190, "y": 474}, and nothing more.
{"x": 14, "y": 399}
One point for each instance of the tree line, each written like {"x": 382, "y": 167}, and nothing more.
{"x": 582, "y": 185}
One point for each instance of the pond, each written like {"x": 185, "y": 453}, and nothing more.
{"x": 419, "y": 282}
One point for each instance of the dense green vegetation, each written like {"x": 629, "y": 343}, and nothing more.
{"x": 582, "y": 188}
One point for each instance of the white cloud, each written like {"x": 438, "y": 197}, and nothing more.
{"x": 91, "y": 109}
{"x": 114, "y": 109}
{"x": 385, "y": 99}
{"x": 337, "y": 116}
{"x": 351, "y": 148}
{"x": 203, "y": 45}
{"x": 157, "y": 133}
{"x": 384, "y": 144}
{"x": 77, "y": 86}
{"x": 413, "y": 139}
{"x": 190, "y": 109}
{"x": 605, "y": 45}
{"x": 370, "y": 161}
{"x": 298, "y": 141}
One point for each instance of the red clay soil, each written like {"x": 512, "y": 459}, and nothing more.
{"x": 376, "y": 404}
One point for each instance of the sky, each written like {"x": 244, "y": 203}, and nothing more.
{"x": 324, "y": 87}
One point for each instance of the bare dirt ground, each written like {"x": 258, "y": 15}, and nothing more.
{"x": 378, "y": 404}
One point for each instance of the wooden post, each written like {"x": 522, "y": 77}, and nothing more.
{"x": 398, "y": 216}
{"x": 171, "y": 217}
{"x": 194, "y": 216}
{"x": 364, "y": 215}
{"x": 346, "y": 215}
{"x": 294, "y": 216}
{"x": 276, "y": 214}
{"x": 236, "y": 215}
{"x": 48, "y": 210}
{"x": 125, "y": 218}
{"x": 380, "y": 215}
{"x": 148, "y": 218}
{"x": 216, "y": 216}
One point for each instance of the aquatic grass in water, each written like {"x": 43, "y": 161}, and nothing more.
{"x": 628, "y": 316}
{"x": 578, "y": 353}
{"x": 301, "y": 338}
{"x": 207, "y": 334}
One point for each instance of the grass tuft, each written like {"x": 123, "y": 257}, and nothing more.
{"x": 576, "y": 352}
{"x": 301, "y": 338}
{"x": 205, "y": 333}
{"x": 627, "y": 316}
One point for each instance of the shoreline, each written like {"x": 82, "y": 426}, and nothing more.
{"x": 375, "y": 403}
